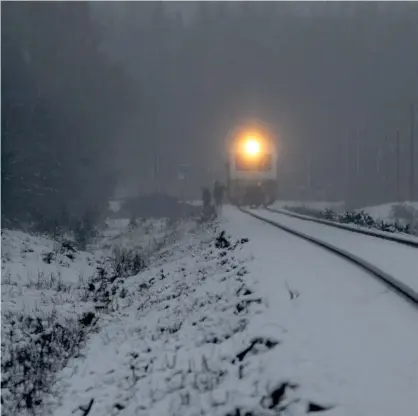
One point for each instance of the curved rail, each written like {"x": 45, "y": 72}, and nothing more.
{"x": 396, "y": 239}
{"x": 378, "y": 273}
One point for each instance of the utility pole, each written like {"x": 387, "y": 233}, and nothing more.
{"x": 398, "y": 194}
{"x": 359, "y": 183}
{"x": 380, "y": 185}
{"x": 157, "y": 171}
{"x": 357, "y": 158}
{"x": 385, "y": 177}
{"x": 412, "y": 157}
{"x": 309, "y": 178}
{"x": 347, "y": 169}
{"x": 378, "y": 160}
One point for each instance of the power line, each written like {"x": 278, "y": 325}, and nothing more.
{"x": 398, "y": 194}
{"x": 412, "y": 156}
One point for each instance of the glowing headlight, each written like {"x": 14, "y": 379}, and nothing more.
{"x": 252, "y": 147}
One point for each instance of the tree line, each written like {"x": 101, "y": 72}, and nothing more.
{"x": 63, "y": 100}
{"x": 99, "y": 93}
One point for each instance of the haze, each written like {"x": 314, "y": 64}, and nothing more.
{"x": 108, "y": 98}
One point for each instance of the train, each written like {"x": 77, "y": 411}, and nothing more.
{"x": 252, "y": 165}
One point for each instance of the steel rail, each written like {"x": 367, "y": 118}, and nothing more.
{"x": 401, "y": 288}
{"x": 347, "y": 227}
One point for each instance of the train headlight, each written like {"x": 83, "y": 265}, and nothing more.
{"x": 252, "y": 147}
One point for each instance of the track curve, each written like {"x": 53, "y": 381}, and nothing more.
{"x": 347, "y": 227}
{"x": 396, "y": 285}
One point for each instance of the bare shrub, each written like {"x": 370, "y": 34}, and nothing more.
{"x": 36, "y": 349}
{"x": 127, "y": 262}
{"x": 53, "y": 281}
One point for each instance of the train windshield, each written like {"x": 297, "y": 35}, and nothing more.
{"x": 259, "y": 163}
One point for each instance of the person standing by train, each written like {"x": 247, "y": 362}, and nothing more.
{"x": 207, "y": 209}
{"x": 218, "y": 195}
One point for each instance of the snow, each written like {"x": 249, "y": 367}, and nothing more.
{"x": 397, "y": 260}
{"x": 207, "y": 330}
{"x": 399, "y": 236}
{"x": 345, "y": 338}
{"x": 318, "y": 205}
{"x": 115, "y": 205}
{"x": 385, "y": 212}
{"x": 195, "y": 202}
{"x": 145, "y": 237}
{"x": 171, "y": 351}
{"x": 49, "y": 284}
{"x": 30, "y": 284}
{"x": 44, "y": 294}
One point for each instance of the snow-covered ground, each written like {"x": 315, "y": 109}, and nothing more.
{"x": 318, "y": 205}
{"x": 44, "y": 292}
{"x": 390, "y": 212}
{"x": 49, "y": 287}
{"x": 387, "y": 212}
{"x": 259, "y": 323}
{"x": 188, "y": 343}
{"x": 345, "y": 338}
{"x": 397, "y": 260}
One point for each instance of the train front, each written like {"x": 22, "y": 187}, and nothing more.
{"x": 252, "y": 167}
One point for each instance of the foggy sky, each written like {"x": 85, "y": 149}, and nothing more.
{"x": 334, "y": 80}
{"x": 322, "y": 74}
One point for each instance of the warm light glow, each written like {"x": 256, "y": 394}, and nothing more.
{"x": 252, "y": 146}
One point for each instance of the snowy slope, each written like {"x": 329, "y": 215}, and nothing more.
{"x": 49, "y": 288}
{"x": 39, "y": 275}
{"x": 44, "y": 294}
{"x": 192, "y": 340}
{"x": 267, "y": 326}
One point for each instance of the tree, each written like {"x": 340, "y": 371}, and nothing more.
{"x": 63, "y": 105}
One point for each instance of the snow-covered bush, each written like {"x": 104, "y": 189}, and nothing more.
{"x": 127, "y": 262}
{"x": 33, "y": 349}
{"x": 363, "y": 219}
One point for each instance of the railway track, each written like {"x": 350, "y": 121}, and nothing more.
{"x": 397, "y": 239}
{"x": 401, "y": 288}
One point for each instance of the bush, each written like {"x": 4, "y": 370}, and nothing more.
{"x": 36, "y": 349}
{"x": 363, "y": 219}
{"x": 127, "y": 262}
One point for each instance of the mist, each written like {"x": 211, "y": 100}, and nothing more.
{"x": 209, "y": 208}
{"x": 113, "y": 98}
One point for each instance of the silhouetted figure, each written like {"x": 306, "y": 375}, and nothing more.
{"x": 218, "y": 195}
{"x": 208, "y": 209}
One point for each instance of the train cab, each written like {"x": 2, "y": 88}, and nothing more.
{"x": 252, "y": 166}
